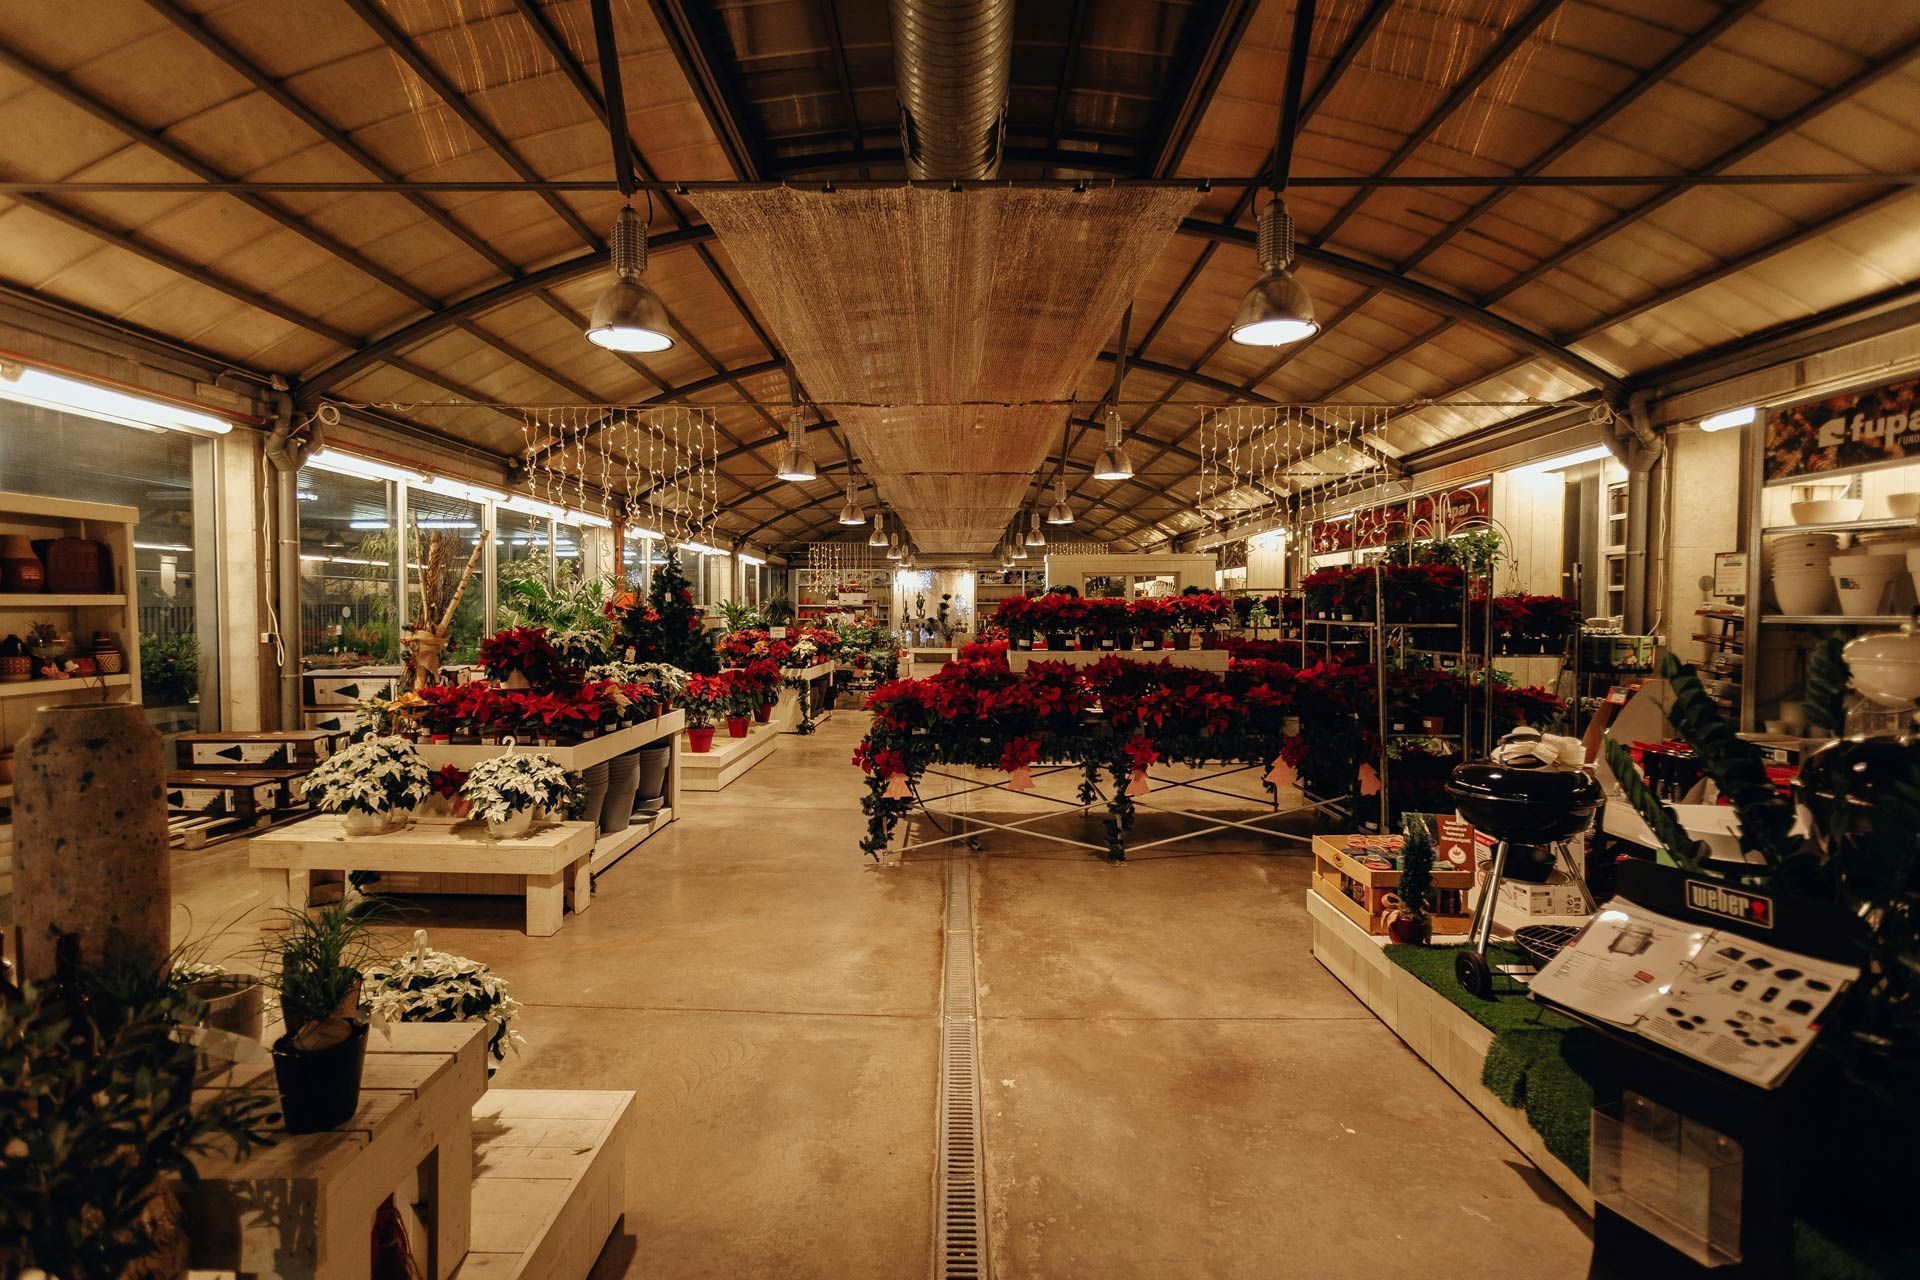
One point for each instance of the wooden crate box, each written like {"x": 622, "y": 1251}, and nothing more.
{"x": 1359, "y": 891}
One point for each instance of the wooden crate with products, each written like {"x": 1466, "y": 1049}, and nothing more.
{"x": 1342, "y": 876}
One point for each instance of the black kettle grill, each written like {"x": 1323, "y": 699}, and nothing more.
{"x": 1529, "y": 808}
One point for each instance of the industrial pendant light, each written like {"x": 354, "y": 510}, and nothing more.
{"x": 1113, "y": 462}
{"x": 628, "y": 317}
{"x": 1060, "y": 512}
{"x": 1277, "y": 310}
{"x": 796, "y": 460}
{"x": 1034, "y": 537}
{"x": 894, "y": 550}
{"x": 878, "y": 538}
{"x": 851, "y": 513}
{"x": 1015, "y": 550}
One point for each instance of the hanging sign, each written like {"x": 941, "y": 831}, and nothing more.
{"x": 1850, "y": 432}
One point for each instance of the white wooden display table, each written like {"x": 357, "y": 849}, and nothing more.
{"x": 303, "y": 1208}
{"x": 787, "y": 709}
{"x": 924, "y": 660}
{"x": 1202, "y": 659}
{"x": 550, "y": 1181}
{"x": 550, "y": 865}
{"x": 610, "y": 848}
{"x": 730, "y": 757}
{"x": 574, "y": 759}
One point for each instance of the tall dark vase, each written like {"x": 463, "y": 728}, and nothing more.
{"x": 593, "y": 783}
{"x": 651, "y": 792}
{"x": 623, "y": 777}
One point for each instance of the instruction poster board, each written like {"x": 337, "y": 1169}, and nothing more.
{"x": 1851, "y": 432}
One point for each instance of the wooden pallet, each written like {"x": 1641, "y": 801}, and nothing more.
{"x": 188, "y": 832}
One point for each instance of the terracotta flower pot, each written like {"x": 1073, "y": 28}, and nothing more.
{"x": 737, "y": 726}
{"x": 700, "y": 740}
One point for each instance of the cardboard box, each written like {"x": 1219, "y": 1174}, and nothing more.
{"x": 1558, "y": 897}
{"x": 1360, "y": 891}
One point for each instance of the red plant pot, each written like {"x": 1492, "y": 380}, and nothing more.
{"x": 737, "y": 726}
{"x": 1405, "y": 931}
{"x": 700, "y": 740}
{"x": 763, "y": 713}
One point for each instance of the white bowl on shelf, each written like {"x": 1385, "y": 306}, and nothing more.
{"x": 1885, "y": 667}
{"x": 1827, "y": 510}
{"x": 1804, "y": 593}
{"x": 1903, "y": 506}
{"x": 1864, "y": 582}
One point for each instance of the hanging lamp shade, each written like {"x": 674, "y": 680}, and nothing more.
{"x": 894, "y": 550}
{"x": 628, "y": 316}
{"x": 1113, "y": 462}
{"x": 878, "y": 538}
{"x": 1277, "y": 311}
{"x": 851, "y": 513}
{"x": 1015, "y": 550}
{"x": 1035, "y": 538}
{"x": 796, "y": 460}
{"x": 1060, "y": 512}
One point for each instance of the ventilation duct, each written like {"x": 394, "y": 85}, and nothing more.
{"x": 953, "y": 62}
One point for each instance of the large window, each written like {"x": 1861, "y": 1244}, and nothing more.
{"x": 523, "y": 555}
{"x": 349, "y": 582}
{"x": 169, "y": 478}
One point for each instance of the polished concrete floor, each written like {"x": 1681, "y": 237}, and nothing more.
{"x": 1172, "y": 1086}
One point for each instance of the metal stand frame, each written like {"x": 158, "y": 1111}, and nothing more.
{"x": 954, "y": 825}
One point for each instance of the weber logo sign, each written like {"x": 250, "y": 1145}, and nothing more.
{"x": 1734, "y": 904}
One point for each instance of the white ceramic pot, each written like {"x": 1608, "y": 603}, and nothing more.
{"x": 1827, "y": 510}
{"x": 1885, "y": 666}
{"x": 398, "y": 818}
{"x": 1864, "y": 582}
{"x": 513, "y": 827}
{"x": 1807, "y": 593}
{"x": 358, "y": 823}
{"x": 1903, "y": 506}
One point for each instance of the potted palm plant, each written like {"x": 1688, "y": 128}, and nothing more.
{"x": 314, "y": 971}
{"x": 373, "y": 785}
{"x": 508, "y": 792}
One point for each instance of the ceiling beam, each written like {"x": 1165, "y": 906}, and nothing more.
{"x": 696, "y": 46}
{"x": 396, "y": 40}
{"x": 1213, "y": 34}
{"x": 829, "y": 13}
{"x": 1076, "y": 32}
{"x": 366, "y": 354}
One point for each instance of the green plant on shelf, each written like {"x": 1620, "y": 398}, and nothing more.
{"x": 169, "y": 669}
{"x": 1416, "y": 867}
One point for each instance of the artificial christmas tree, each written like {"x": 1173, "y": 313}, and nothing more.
{"x": 665, "y": 626}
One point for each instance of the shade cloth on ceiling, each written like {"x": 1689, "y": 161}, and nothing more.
{"x": 945, "y": 329}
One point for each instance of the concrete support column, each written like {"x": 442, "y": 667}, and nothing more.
{"x": 246, "y": 665}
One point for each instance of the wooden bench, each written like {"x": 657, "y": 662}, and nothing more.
{"x": 303, "y": 1208}
{"x": 549, "y": 865}
{"x": 549, "y": 1181}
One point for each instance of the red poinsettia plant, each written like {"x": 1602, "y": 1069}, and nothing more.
{"x": 705, "y": 700}
{"x": 523, "y": 651}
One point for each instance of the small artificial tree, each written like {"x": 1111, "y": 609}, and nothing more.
{"x": 666, "y": 625}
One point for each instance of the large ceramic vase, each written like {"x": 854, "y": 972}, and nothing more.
{"x": 90, "y": 822}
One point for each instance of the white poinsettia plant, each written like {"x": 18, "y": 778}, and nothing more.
{"x": 424, "y": 985}
{"x": 500, "y": 786}
{"x": 662, "y": 676}
{"x": 804, "y": 652}
{"x": 371, "y": 776}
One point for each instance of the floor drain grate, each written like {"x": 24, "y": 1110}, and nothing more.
{"x": 960, "y": 1243}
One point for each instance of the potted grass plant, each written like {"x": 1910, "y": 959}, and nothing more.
{"x": 313, "y": 969}
{"x": 373, "y": 785}
{"x": 510, "y": 791}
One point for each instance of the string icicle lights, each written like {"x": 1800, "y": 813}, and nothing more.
{"x": 656, "y": 468}
{"x": 1286, "y": 462}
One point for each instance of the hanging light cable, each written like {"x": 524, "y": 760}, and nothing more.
{"x": 878, "y": 538}
{"x": 1060, "y": 512}
{"x": 628, "y": 316}
{"x": 1113, "y": 462}
{"x": 1277, "y": 310}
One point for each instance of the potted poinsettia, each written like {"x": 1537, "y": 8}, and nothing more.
{"x": 521, "y": 658}
{"x": 372, "y": 785}
{"x": 446, "y": 801}
{"x": 762, "y": 677}
{"x": 424, "y": 985}
{"x": 741, "y": 699}
{"x": 704, "y": 700}
{"x": 510, "y": 791}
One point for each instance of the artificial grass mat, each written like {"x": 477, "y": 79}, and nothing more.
{"x": 1540, "y": 1060}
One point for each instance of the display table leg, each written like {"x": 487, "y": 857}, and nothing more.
{"x": 546, "y": 903}
{"x": 446, "y": 1187}
{"x": 284, "y": 889}
{"x": 580, "y": 885}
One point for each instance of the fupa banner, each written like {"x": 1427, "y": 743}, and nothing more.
{"x": 1849, "y": 432}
